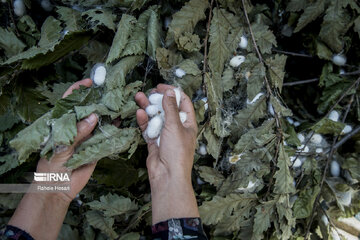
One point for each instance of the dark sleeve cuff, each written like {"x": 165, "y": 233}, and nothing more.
{"x": 12, "y": 232}
{"x": 179, "y": 228}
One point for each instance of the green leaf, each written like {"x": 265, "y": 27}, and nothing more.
{"x": 186, "y": 19}
{"x": 10, "y": 43}
{"x": 153, "y": 33}
{"x": 311, "y": 12}
{"x": 256, "y": 79}
{"x": 99, "y": 109}
{"x": 263, "y": 218}
{"x": 28, "y": 30}
{"x": 276, "y": 68}
{"x": 71, "y": 18}
{"x": 213, "y": 143}
{"x": 78, "y": 97}
{"x": 10, "y": 200}
{"x": 284, "y": 181}
{"x": 50, "y": 32}
{"x": 256, "y": 137}
{"x": 296, "y": 5}
{"x": 98, "y": 17}
{"x": 304, "y": 204}
{"x": 279, "y": 108}
{"x": 218, "y": 51}
{"x": 191, "y": 82}
{"x": 107, "y": 172}
{"x": 130, "y": 236}
{"x": 105, "y": 224}
{"x": 228, "y": 79}
{"x": 29, "y": 139}
{"x": 328, "y": 78}
{"x": 8, "y": 120}
{"x": 124, "y": 29}
{"x": 64, "y": 129}
{"x": 327, "y": 126}
{"x": 219, "y": 208}
{"x": 334, "y": 26}
{"x": 55, "y": 93}
{"x": 188, "y": 42}
{"x": 264, "y": 37}
{"x": 113, "y": 142}
{"x": 286, "y": 219}
{"x": 9, "y": 162}
{"x": 332, "y": 93}
{"x": 211, "y": 176}
{"x": 66, "y": 232}
{"x": 114, "y": 205}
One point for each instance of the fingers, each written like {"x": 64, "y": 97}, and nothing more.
{"x": 141, "y": 100}
{"x": 187, "y": 106}
{"x": 85, "y": 82}
{"x": 84, "y": 128}
{"x": 161, "y": 88}
{"x": 170, "y": 108}
{"x": 142, "y": 119}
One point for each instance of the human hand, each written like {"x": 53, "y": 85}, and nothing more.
{"x": 80, "y": 176}
{"x": 169, "y": 166}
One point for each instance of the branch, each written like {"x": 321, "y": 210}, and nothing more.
{"x": 347, "y": 137}
{"x": 292, "y": 53}
{"x": 301, "y": 82}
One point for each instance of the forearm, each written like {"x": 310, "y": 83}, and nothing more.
{"x": 172, "y": 198}
{"x": 40, "y": 214}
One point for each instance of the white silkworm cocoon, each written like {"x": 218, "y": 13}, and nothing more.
{"x": 335, "y": 169}
{"x": 202, "y": 149}
{"x": 339, "y": 59}
{"x": 345, "y": 198}
{"x": 303, "y": 148}
{"x": 46, "y": 5}
{"x": 152, "y": 110}
{"x": 156, "y": 99}
{"x": 285, "y": 143}
{"x": 346, "y": 129}
{"x": 199, "y": 181}
{"x": 334, "y": 115}
{"x": 271, "y": 109}
{"x": 319, "y": 150}
{"x": 301, "y": 137}
{"x": 167, "y": 21}
{"x": 206, "y": 105}
{"x": 293, "y": 198}
{"x": 296, "y": 124}
{"x": 316, "y": 138}
{"x": 98, "y": 74}
{"x": 234, "y": 158}
{"x": 290, "y": 120}
{"x": 179, "y": 73}
{"x": 342, "y": 71}
{"x": 297, "y": 163}
{"x": 250, "y": 185}
{"x": 183, "y": 116}
{"x": 19, "y": 8}
{"x": 255, "y": 98}
{"x": 292, "y": 158}
{"x": 158, "y": 141}
{"x": 154, "y": 127}
{"x": 237, "y": 60}
{"x": 247, "y": 75}
{"x": 177, "y": 96}
{"x": 334, "y": 235}
{"x": 325, "y": 220}
{"x": 243, "y": 42}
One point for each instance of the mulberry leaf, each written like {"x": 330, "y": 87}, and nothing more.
{"x": 100, "y": 17}
{"x": 263, "y": 218}
{"x": 284, "y": 180}
{"x": 264, "y": 37}
{"x": 104, "y": 224}
{"x": 10, "y": 43}
{"x": 64, "y": 129}
{"x": 311, "y": 12}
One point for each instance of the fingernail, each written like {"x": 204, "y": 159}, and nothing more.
{"x": 92, "y": 119}
{"x": 170, "y": 93}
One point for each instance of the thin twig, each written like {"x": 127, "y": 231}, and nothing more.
{"x": 292, "y": 53}
{"x": 13, "y": 20}
{"x": 207, "y": 38}
{"x": 301, "y": 82}
{"x": 351, "y": 73}
{"x": 347, "y": 137}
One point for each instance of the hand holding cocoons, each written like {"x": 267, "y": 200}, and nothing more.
{"x": 157, "y": 114}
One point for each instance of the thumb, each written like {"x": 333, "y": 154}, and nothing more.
{"x": 170, "y": 108}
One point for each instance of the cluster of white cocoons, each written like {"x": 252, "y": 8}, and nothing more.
{"x": 180, "y": 73}
{"x": 157, "y": 115}
{"x": 98, "y": 74}
{"x": 339, "y": 59}
{"x": 243, "y": 42}
{"x": 19, "y": 8}
{"x": 237, "y": 61}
